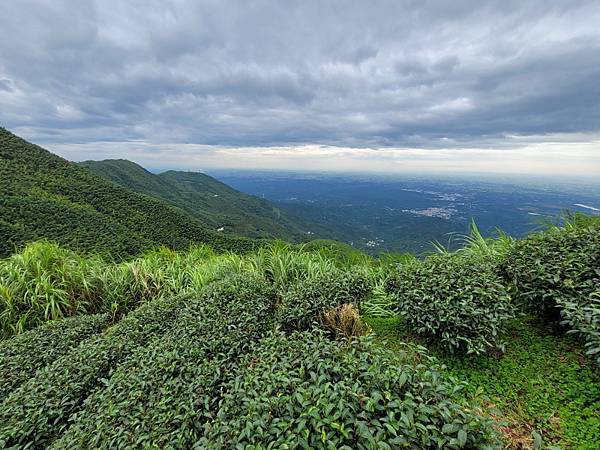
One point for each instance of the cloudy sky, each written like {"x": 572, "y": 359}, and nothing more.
{"x": 506, "y": 86}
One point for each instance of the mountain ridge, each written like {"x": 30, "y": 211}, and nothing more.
{"x": 209, "y": 200}
{"x": 43, "y": 196}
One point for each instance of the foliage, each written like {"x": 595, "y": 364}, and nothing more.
{"x": 45, "y": 196}
{"x": 44, "y": 282}
{"x": 303, "y": 303}
{"x": 23, "y": 355}
{"x": 475, "y": 244}
{"x": 541, "y": 384}
{"x": 211, "y": 202}
{"x": 380, "y": 303}
{"x": 306, "y": 391}
{"x": 456, "y": 300}
{"x": 39, "y": 410}
{"x": 160, "y": 396}
{"x": 557, "y": 273}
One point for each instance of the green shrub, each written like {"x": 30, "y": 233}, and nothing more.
{"x": 22, "y": 355}
{"x": 583, "y": 318}
{"x": 307, "y": 391}
{"x": 305, "y": 301}
{"x": 458, "y": 301}
{"x": 162, "y": 395}
{"x": 557, "y": 273}
{"x": 38, "y": 411}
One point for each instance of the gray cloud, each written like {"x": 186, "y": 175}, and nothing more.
{"x": 265, "y": 73}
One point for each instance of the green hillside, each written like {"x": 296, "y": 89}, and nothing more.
{"x": 273, "y": 349}
{"x": 213, "y": 203}
{"x": 45, "y": 196}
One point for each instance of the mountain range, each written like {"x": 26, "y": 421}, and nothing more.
{"x": 211, "y": 202}
{"x": 119, "y": 208}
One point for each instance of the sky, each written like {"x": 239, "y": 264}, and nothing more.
{"x": 450, "y": 86}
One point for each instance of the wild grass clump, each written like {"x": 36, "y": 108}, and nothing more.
{"x": 306, "y": 391}
{"x": 304, "y": 302}
{"x": 45, "y": 282}
{"x": 344, "y": 321}
{"x": 457, "y": 301}
{"x": 474, "y": 244}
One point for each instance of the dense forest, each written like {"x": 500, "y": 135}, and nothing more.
{"x": 213, "y": 203}
{"x": 45, "y": 196}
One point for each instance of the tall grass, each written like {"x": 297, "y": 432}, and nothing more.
{"x": 46, "y": 282}
{"x": 476, "y": 245}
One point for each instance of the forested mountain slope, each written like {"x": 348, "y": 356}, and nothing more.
{"x": 213, "y": 203}
{"x": 45, "y": 196}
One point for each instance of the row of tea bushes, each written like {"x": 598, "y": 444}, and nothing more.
{"x": 161, "y": 396}
{"x": 177, "y": 374}
{"x": 23, "y": 355}
{"x": 39, "y": 410}
{"x": 307, "y": 391}
{"x": 463, "y": 301}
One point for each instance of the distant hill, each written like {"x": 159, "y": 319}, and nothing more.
{"x": 45, "y": 196}
{"x": 212, "y": 202}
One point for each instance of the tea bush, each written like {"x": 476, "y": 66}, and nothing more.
{"x": 557, "y": 273}
{"x": 161, "y": 396}
{"x": 305, "y": 301}
{"x": 23, "y": 355}
{"x": 458, "y": 301}
{"x": 307, "y": 391}
{"x": 38, "y": 411}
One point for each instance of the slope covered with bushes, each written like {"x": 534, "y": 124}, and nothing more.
{"x": 45, "y": 196}
{"x": 199, "y": 349}
{"x": 213, "y": 203}
{"x": 173, "y": 373}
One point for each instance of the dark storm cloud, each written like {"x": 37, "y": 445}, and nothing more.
{"x": 259, "y": 73}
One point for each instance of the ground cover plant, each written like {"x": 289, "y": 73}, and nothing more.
{"x": 542, "y": 385}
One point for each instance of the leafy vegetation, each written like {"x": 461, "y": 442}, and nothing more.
{"x": 542, "y": 385}
{"x": 306, "y": 391}
{"x": 162, "y": 376}
{"x": 458, "y": 301}
{"x": 214, "y": 204}
{"x": 558, "y": 273}
{"x": 266, "y": 349}
{"x": 45, "y": 196}
{"x": 303, "y": 303}
{"x": 22, "y": 356}
{"x": 38, "y": 411}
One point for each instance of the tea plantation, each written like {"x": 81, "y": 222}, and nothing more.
{"x": 496, "y": 345}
